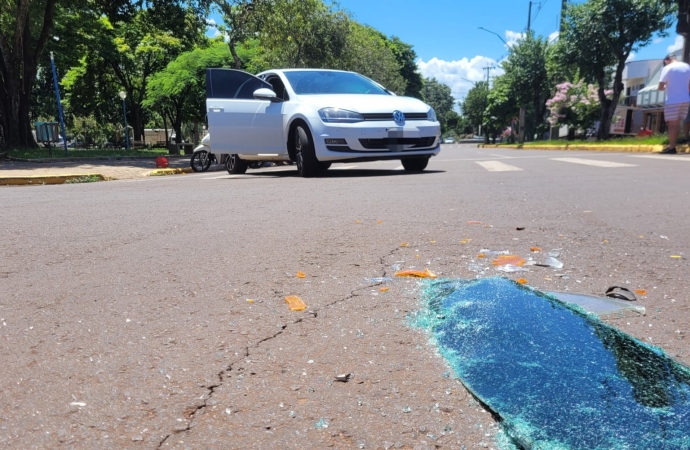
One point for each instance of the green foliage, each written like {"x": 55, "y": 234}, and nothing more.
{"x": 438, "y": 96}
{"x": 368, "y": 52}
{"x": 84, "y": 179}
{"x": 303, "y": 33}
{"x": 474, "y": 105}
{"x": 407, "y": 59}
{"x": 501, "y": 105}
{"x": 601, "y": 34}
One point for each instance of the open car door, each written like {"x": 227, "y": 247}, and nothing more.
{"x": 231, "y": 108}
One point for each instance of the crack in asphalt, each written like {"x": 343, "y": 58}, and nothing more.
{"x": 222, "y": 375}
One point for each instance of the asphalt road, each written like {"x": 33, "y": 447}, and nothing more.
{"x": 126, "y": 320}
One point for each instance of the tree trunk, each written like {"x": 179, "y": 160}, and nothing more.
{"x": 233, "y": 52}
{"x": 608, "y": 106}
{"x": 18, "y": 68}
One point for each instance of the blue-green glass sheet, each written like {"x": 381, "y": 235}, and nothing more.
{"x": 558, "y": 377}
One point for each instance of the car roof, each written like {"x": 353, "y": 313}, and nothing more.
{"x": 306, "y": 70}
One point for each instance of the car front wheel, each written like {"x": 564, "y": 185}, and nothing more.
{"x": 307, "y": 164}
{"x": 415, "y": 164}
{"x": 235, "y": 165}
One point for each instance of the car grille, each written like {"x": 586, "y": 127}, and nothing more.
{"x": 372, "y": 144}
{"x": 389, "y": 116}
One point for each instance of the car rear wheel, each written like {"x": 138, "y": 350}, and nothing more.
{"x": 415, "y": 164}
{"x": 307, "y": 164}
{"x": 235, "y": 165}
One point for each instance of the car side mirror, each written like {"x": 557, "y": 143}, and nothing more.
{"x": 266, "y": 94}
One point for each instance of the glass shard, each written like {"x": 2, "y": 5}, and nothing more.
{"x": 566, "y": 380}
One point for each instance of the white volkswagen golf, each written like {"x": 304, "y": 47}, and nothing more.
{"x": 314, "y": 118}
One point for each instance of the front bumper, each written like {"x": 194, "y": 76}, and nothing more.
{"x": 375, "y": 140}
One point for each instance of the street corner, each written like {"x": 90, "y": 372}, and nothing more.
{"x": 40, "y": 180}
{"x": 164, "y": 172}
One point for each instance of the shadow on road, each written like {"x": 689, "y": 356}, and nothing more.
{"x": 343, "y": 173}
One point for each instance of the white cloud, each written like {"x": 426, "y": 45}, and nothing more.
{"x": 658, "y": 40}
{"x": 631, "y": 56}
{"x": 677, "y": 45}
{"x": 553, "y": 36}
{"x": 452, "y": 73}
{"x": 211, "y": 23}
{"x": 513, "y": 36}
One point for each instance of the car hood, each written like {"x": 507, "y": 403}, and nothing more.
{"x": 365, "y": 103}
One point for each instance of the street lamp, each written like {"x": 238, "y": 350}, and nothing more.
{"x": 495, "y": 34}
{"x": 123, "y": 96}
{"x": 474, "y": 83}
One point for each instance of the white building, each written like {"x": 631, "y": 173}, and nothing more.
{"x": 642, "y": 103}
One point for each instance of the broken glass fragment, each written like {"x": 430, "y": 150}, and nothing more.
{"x": 567, "y": 380}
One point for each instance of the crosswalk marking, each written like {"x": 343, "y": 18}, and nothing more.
{"x": 593, "y": 162}
{"x": 400, "y": 167}
{"x": 666, "y": 157}
{"x": 497, "y": 166}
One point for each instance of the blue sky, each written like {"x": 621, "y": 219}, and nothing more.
{"x": 446, "y": 35}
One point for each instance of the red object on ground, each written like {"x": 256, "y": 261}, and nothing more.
{"x": 162, "y": 161}
{"x": 645, "y": 132}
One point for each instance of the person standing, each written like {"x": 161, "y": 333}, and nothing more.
{"x": 675, "y": 80}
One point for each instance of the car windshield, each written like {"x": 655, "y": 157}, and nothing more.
{"x": 330, "y": 82}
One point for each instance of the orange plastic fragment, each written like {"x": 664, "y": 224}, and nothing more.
{"x": 384, "y": 289}
{"x": 465, "y": 241}
{"x": 481, "y": 255}
{"x": 641, "y": 291}
{"x": 404, "y": 244}
{"x": 535, "y": 249}
{"x": 521, "y": 281}
{"x": 379, "y": 222}
{"x": 295, "y": 303}
{"x": 433, "y": 242}
{"x": 301, "y": 275}
{"x": 249, "y": 300}
{"x": 416, "y": 273}
{"x": 358, "y": 221}
{"x": 473, "y": 222}
{"x": 504, "y": 260}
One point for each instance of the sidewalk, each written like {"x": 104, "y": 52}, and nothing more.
{"x": 119, "y": 169}
{"x": 597, "y": 147}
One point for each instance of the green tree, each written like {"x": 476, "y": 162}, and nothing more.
{"x": 526, "y": 78}
{"x": 501, "y": 105}
{"x": 303, "y": 33}
{"x": 123, "y": 56}
{"x": 601, "y": 34}
{"x": 474, "y": 105}
{"x": 438, "y": 96}
{"x": 407, "y": 59}
{"x": 243, "y": 20}
{"x": 368, "y": 52}
{"x": 26, "y": 28}
{"x": 178, "y": 92}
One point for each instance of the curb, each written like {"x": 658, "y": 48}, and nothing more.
{"x": 163, "y": 172}
{"x": 90, "y": 158}
{"x": 45, "y": 179}
{"x": 596, "y": 148}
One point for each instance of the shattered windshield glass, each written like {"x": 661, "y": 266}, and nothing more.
{"x": 559, "y": 378}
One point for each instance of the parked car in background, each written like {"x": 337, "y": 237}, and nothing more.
{"x": 315, "y": 118}
{"x": 449, "y": 140}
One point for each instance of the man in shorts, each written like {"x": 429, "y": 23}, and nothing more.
{"x": 675, "y": 80}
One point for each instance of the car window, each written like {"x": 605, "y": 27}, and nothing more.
{"x": 230, "y": 83}
{"x": 331, "y": 82}
{"x": 278, "y": 87}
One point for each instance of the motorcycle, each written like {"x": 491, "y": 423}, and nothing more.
{"x": 203, "y": 158}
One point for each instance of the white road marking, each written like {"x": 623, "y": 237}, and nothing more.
{"x": 400, "y": 167}
{"x": 497, "y": 166}
{"x": 593, "y": 162}
{"x": 223, "y": 177}
{"x": 345, "y": 166}
{"x": 666, "y": 157}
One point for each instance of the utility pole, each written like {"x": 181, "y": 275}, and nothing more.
{"x": 488, "y": 69}
{"x": 529, "y": 17}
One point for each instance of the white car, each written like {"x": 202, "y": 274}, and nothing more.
{"x": 315, "y": 117}
{"x": 449, "y": 140}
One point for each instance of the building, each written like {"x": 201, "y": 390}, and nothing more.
{"x": 642, "y": 104}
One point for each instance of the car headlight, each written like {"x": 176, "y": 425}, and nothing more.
{"x": 431, "y": 115}
{"x": 339, "y": 115}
